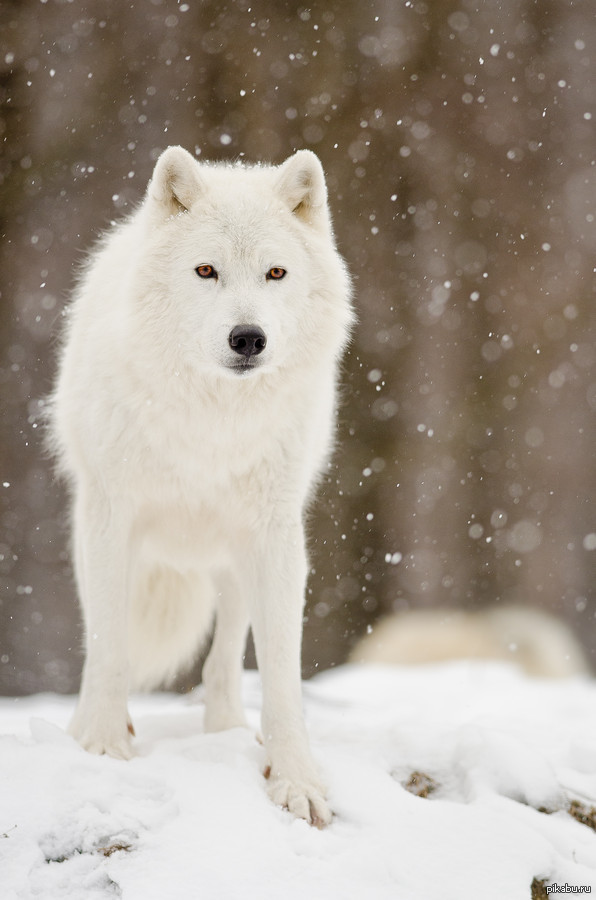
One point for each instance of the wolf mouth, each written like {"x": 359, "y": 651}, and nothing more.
{"x": 244, "y": 368}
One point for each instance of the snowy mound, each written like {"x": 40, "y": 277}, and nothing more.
{"x": 453, "y": 782}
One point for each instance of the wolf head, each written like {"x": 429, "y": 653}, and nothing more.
{"x": 238, "y": 264}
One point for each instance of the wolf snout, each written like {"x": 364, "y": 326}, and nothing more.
{"x": 247, "y": 340}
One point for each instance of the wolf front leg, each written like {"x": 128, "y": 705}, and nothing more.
{"x": 276, "y": 602}
{"x": 100, "y": 723}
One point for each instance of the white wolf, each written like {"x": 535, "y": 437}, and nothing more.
{"x": 193, "y": 414}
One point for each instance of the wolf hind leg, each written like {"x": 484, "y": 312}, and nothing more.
{"x": 222, "y": 671}
{"x": 171, "y": 617}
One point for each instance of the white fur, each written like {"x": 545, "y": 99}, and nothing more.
{"x": 189, "y": 478}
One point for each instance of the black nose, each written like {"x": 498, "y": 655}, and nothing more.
{"x": 247, "y": 340}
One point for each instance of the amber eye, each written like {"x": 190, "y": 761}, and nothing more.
{"x": 206, "y": 271}
{"x": 276, "y": 273}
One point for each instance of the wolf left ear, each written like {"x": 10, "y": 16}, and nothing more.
{"x": 301, "y": 185}
{"x": 176, "y": 182}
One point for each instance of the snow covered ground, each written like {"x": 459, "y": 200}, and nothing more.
{"x": 189, "y": 818}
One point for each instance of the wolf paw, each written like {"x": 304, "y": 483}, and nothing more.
{"x": 303, "y": 800}
{"x": 220, "y": 719}
{"x": 110, "y": 741}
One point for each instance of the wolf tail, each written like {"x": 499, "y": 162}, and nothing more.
{"x": 170, "y": 618}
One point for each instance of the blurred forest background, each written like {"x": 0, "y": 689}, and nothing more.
{"x": 458, "y": 139}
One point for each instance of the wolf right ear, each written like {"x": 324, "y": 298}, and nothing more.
{"x": 176, "y": 182}
{"x": 301, "y": 184}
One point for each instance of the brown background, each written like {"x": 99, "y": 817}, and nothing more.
{"x": 460, "y": 150}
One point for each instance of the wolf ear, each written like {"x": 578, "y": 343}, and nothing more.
{"x": 301, "y": 185}
{"x": 176, "y": 182}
